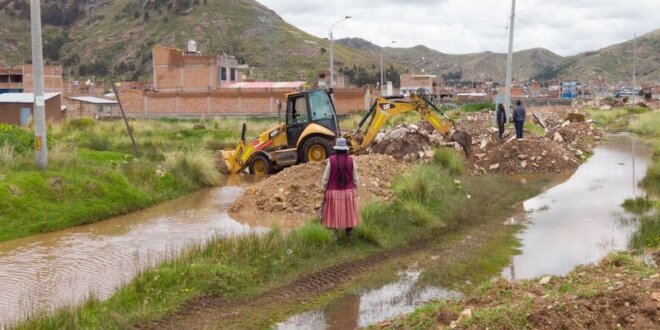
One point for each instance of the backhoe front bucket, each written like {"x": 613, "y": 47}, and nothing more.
{"x": 227, "y": 162}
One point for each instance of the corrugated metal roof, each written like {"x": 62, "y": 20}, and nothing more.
{"x": 23, "y": 97}
{"x": 92, "y": 99}
{"x": 266, "y": 84}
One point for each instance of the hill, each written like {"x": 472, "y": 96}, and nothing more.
{"x": 103, "y": 38}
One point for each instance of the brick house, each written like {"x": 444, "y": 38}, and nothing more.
{"x": 18, "y": 108}
{"x": 91, "y": 107}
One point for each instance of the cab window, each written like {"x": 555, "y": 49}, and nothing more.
{"x": 320, "y": 104}
{"x": 299, "y": 112}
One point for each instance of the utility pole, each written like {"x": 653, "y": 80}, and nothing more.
{"x": 39, "y": 111}
{"x": 332, "y": 59}
{"x": 634, "y": 82}
{"x": 509, "y": 59}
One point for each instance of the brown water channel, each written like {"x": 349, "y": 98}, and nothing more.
{"x": 43, "y": 272}
{"x": 576, "y": 222}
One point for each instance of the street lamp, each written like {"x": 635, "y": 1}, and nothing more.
{"x": 332, "y": 76}
{"x": 381, "y": 67}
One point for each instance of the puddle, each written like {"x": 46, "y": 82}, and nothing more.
{"x": 370, "y": 306}
{"x": 581, "y": 220}
{"x": 46, "y": 271}
{"x": 575, "y": 222}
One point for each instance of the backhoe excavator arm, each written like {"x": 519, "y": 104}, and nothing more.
{"x": 385, "y": 108}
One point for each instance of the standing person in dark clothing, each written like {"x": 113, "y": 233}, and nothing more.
{"x": 340, "y": 182}
{"x": 519, "y": 119}
{"x": 501, "y": 118}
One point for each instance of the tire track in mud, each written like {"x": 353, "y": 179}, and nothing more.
{"x": 206, "y": 312}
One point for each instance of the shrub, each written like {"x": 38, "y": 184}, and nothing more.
{"x": 197, "y": 165}
{"x": 99, "y": 142}
{"x": 64, "y": 155}
{"x": 417, "y": 213}
{"x": 313, "y": 234}
{"x": 21, "y": 140}
{"x": 472, "y": 107}
{"x": 646, "y": 124}
{"x": 450, "y": 160}
{"x": 80, "y": 123}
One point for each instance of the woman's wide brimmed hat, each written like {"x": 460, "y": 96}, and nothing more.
{"x": 341, "y": 144}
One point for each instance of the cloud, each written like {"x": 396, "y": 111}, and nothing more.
{"x": 464, "y": 26}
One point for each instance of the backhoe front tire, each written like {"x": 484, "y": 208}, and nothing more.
{"x": 260, "y": 164}
{"x": 316, "y": 149}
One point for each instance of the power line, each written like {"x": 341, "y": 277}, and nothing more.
{"x": 540, "y": 33}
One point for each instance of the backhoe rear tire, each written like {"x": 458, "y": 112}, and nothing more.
{"x": 260, "y": 164}
{"x": 316, "y": 149}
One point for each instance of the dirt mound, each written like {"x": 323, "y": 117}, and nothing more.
{"x": 295, "y": 194}
{"x": 531, "y": 155}
{"x": 566, "y": 136}
{"x": 407, "y": 142}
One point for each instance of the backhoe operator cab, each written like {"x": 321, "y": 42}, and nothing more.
{"x": 307, "y": 134}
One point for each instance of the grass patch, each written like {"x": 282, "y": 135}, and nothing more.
{"x": 637, "y": 205}
{"x": 534, "y": 128}
{"x": 473, "y": 107}
{"x": 241, "y": 267}
{"x": 450, "y": 160}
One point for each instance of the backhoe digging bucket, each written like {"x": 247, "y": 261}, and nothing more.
{"x": 464, "y": 139}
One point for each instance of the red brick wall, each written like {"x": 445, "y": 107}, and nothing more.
{"x": 174, "y": 71}
{"x": 225, "y": 102}
{"x": 11, "y": 112}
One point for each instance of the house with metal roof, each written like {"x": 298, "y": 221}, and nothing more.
{"x": 18, "y": 108}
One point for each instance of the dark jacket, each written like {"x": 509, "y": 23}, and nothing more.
{"x": 519, "y": 113}
{"x": 501, "y": 116}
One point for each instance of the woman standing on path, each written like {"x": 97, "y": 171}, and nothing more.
{"x": 340, "y": 182}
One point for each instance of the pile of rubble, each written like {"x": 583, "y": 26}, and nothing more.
{"x": 295, "y": 194}
{"x": 408, "y": 142}
{"x": 568, "y": 137}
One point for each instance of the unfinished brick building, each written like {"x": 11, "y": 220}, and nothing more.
{"x": 18, "y": 79}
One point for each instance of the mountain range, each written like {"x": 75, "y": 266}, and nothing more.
{"x": 113, "y": 38}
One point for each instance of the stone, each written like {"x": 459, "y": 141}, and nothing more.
{"x": 453, "y": 325}
{"x": 523, "y": 164}
{"x": 380, "y": 137}
{"x": 576, "y": 117}
{"x": 429, "y": 153}
{"x": 545, "y": 280}
{"x": 398, "y": 133}
{"x": 479, "y": 156}
{"x": 565, "y": 158}
{"x": 522, "y": 157}
{"x": 566, "y": 123}
{"x": 466, "y": 314}
{"x": 494, "y": 166}
{"x": 413, "y": 127}
{"x": 483, "y": 144}
{"x": 523, "y": 181}
{"x": 557, "y": 137}
{"x": 578, "y": 152}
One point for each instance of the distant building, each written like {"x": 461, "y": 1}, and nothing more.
{"x": 18, "y": 108}
{"x": 535, "y": 89}
{"x": 18, "y": 79}
{"x": 176, "y": 70}
{"x": 91, "y": 107}
{"x": 324, "y": 80}
{"x": 410, "y": 83}
{"x": 569, "y": 89}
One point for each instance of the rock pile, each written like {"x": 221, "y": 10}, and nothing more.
{"x": 568, "y": 136}
{"x": 295, "y": 194}
{"x": 408, "y": 142}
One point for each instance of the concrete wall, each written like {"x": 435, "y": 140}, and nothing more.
{"x": 11, "y": 112}
{"x": 226, "y": 102}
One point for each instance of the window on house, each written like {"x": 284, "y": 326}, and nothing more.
{"x": 223, "y": 73}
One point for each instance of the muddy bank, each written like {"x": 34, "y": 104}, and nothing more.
{"x": 617, "y": 293}
{"x": 294, "y": 195}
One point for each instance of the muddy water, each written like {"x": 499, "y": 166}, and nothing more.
{"x": 370, "y": 306}
{"x": 580, "y": 220}
{"x": 42, "y": 272}
{"x": 575, "y": 222}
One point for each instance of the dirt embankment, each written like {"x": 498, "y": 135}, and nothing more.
{"x": 562, "y": 139}
{"x": 295, "y": 194}
{"x": 617, "y": 293}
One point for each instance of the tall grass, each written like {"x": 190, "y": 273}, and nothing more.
{"x": 197, "y": 165}
{"x": 450, "y": 160}
{"x": 6, "y": 155}
{"x": 647, "y": 124}
{"x": 63, "y": 155}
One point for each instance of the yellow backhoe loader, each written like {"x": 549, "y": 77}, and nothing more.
{"x": 311, "y": 126}
{"x": 385, "y": 108}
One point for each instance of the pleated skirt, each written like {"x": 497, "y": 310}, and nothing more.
{"x": 340, "y": 209}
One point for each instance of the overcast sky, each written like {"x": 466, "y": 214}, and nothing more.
{"x": 566, "y": 27}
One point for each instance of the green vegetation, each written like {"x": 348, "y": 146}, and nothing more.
{"x": 535, "y": 129}
{"x": 472, "y": 107}
{"x": 429, "y": 204}
{"x": 449, "y": 159}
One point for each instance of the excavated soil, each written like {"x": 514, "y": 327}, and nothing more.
{"x": 295, "y": 194}
{"x": 603, "y": 296}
